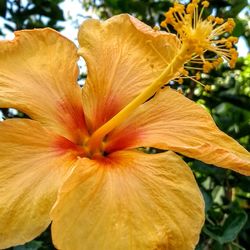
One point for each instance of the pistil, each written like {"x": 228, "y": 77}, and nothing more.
{"x": 196, "y": 36}
{"x": 168, "y": 74}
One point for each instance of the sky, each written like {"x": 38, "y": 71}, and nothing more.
{"x": 74, "y": 14}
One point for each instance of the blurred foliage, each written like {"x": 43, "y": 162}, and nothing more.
{"x": 226, "y": 194}
{"x": 30, "y": 14}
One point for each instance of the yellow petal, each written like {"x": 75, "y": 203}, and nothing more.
{"x": 31, "y": 171}
{"x": 38, "y": 73}
{"x": 130, "y": 200}
{"x": 173, "y": 122}
{"x": 123, "y": 56}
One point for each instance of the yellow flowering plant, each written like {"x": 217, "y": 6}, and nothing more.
{"x": 76, "y": 162}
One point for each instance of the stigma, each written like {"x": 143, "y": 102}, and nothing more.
{"x": 202, "y": 37}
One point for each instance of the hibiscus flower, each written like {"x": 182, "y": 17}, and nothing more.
{"x": 78, "y": 161}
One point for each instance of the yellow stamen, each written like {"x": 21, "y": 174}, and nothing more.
{"x": 208, "y": 88}
{"x": 156, "y": 28}
{"x": 198, "y": 76}
{"x": 203, "y": 35}
{"x": 205, "y": 4}
{"x": 207, "y": 67}
{"x": 180, "y": 80}
{"x": 164, "y": 24}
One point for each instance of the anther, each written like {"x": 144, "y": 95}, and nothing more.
{"x": 156, "y": 28}
{"x": 205, "y": 4}
{"x": 208, "y": 88}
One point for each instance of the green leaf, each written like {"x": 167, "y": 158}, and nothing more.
{"x": 232, "y": 226}
{"x": 238, "y": 6}
{"x": 207, "y": 198}
{"x": 230, "y": 229}
{"x": 239, "y": 29}
{"x": 3, "y": 7}
{"x": 213, "y": 232}
{"x": 33, "y": 245}
{"x": 218, "y": 246}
